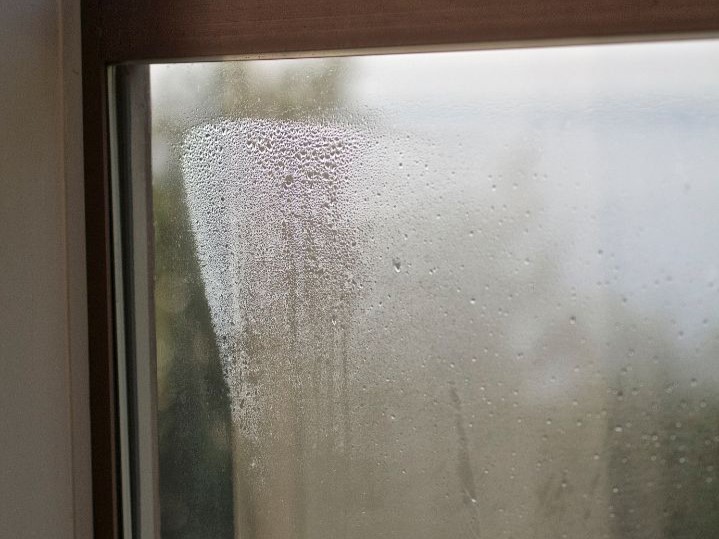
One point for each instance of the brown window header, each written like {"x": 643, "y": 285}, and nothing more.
{"x": 131, "y": 30}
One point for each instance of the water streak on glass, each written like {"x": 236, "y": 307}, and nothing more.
{"x": 440, "y": 295}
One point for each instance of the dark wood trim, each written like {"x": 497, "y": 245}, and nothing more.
{"x": 103, "y": 408}
{"x": 115, "y": 31}
{"x": 139, "y": 30}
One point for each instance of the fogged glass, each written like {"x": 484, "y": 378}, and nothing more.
{"x": 440, "y": 295}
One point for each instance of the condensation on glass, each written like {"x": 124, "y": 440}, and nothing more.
{"x": 440, "y": 295}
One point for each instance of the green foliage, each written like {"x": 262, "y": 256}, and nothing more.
{"x": 194, "y": 420}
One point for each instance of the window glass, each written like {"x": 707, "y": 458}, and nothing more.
{"x": 467, "y": 294}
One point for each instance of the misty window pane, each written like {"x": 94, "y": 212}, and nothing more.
{"x": 467, "y": 294}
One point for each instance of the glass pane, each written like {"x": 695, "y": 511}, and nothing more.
{"x": 435, "y": 295}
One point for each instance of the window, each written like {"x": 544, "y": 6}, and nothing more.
{"x": 438, "y": 294}
{"x": 429, "y": 294}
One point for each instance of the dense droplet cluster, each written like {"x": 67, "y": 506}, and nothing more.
{"x": 273, "y": 208}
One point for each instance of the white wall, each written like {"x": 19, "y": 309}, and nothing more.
{"x": 44, "y": 415}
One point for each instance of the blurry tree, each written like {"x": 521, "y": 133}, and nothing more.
{"x": 195, "y": 425}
